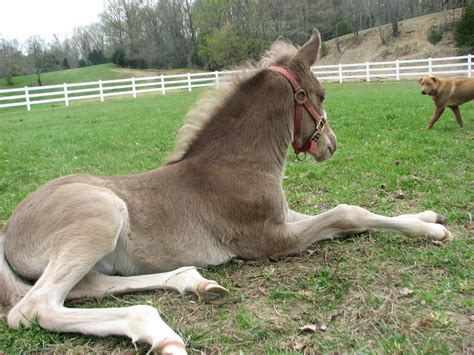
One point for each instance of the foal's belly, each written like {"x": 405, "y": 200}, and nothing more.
{"x": 142, "y": 253}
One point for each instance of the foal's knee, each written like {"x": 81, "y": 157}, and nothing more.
{"x": 350, "y": 216}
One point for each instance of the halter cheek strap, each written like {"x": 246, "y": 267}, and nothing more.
{"x": 301, "y": 101}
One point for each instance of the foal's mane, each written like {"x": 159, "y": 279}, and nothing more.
{"x": 208, "y": 104}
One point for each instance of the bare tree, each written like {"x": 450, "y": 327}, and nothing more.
{"x": 88, "y": 38}
{"x": 37, "y": 55}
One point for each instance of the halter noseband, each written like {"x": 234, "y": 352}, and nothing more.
{"x": 301, "y": 100}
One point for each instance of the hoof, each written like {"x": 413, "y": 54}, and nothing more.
{"x": 447, "y": 237}
{"x": 212, "y": 292}
{"x": 439, "y": 219}
{"x": 171, "y": 347}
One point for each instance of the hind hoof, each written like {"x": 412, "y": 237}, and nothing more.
{"x": 212, "y": 292}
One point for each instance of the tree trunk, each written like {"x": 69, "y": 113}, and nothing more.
{"x": 395, "y": 27}
{"x": 38, "y": 73}
{"x": 393, "y": 9}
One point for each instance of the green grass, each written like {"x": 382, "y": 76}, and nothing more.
{"x": 349, "y": 289}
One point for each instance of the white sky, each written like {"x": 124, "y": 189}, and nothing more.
{"x": 22, "y": 18}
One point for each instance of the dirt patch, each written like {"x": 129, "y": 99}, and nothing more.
{"x": 140, "y": 73}
{"x": 135, "y": 73}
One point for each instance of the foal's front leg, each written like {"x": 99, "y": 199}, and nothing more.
{"x": 346, "y": 219}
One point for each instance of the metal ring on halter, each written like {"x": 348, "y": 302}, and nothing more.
{"x": 303, "y": 95}
{"x": 297, "y": 155}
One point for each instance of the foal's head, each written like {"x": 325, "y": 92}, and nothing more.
{"x": 314, "y": 134}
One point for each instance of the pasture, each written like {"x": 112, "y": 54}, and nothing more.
{"x": 376, "y": 292}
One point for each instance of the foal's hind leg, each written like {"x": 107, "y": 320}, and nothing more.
{"x": 184, "y": 279}
{"x": 88, "y": 242}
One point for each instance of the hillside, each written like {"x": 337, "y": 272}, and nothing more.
{"x": 92, "y": 73}
{"x": 411, "y": 44}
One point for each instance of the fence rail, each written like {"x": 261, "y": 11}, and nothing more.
{"x": 398, "y": 69}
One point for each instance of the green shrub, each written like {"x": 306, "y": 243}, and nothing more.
{"x": 435, "y": 35}
{"x": 324, "y": 49}
{"x": 385, "y": 53}
{"x": 464, "y": 31}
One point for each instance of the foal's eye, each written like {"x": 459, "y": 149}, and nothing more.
{"x": 322, "y": 97}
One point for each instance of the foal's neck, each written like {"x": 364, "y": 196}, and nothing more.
{"x": 251, "y": 130}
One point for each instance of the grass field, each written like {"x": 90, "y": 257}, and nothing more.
{"x": 375, "y": 293}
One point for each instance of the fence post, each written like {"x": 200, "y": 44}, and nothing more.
{"x": 397, "y": 69}
{"x": 216, "y": 73}
{"x": 189, "y": 82}
{"x": 367, "y": 69}
{"x": 469, "y": 65}
{"x": 430, "y": 67}
{"x": 66, "y": 97}
{"x": 101, "y": 91}
{"x": 134, "y": 90}
{"x": 27, "y": 97}
{"x": 162, "y": 84}
{"x": 340, "y": 73}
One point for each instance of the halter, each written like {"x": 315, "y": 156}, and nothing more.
{"x": 301, "y": 100}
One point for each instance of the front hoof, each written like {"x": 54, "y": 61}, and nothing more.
{"x": 212, "y": 292}
{"x": 441, "y": 234}
{"x": 440, "y": 219}
{"x": 447, "y": 237}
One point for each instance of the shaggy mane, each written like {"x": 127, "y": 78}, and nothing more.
{"x": 200, "y": 114}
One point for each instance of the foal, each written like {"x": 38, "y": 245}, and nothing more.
{"x": 219, "y": 197}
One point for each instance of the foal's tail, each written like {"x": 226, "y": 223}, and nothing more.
{"x": 12, "y": 288}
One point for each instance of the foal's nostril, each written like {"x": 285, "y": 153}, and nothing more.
{"x": 333, "y": 145}
{"x": 423, "y": 92}
{"x": 331, "y": 149}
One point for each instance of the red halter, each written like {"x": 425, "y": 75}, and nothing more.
{"x": 301, "y": 100}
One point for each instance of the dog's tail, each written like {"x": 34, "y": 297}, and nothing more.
{"x": 12, "y": 288}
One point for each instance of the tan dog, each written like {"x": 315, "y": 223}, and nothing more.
{"x": 447, "y": 92}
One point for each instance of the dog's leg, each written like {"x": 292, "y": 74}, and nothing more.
{"x": 439, "y": 111}
{"x": 184, "y": 279}
{"x": 457, "y": 114}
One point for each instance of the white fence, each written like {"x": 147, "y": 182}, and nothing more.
{"x": 28, "y": 96}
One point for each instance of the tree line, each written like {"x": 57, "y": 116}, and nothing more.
{"x": 210, "y": 34}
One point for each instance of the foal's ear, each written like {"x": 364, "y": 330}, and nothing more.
{"x": 420, "y": 80}
{"x": 310, "y": 50}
